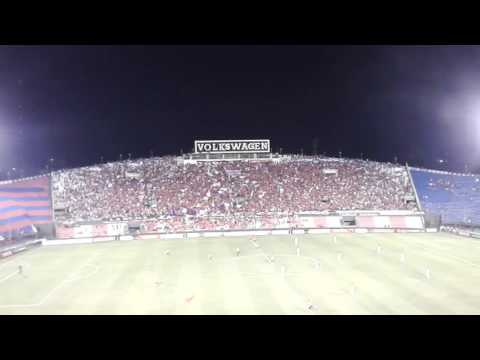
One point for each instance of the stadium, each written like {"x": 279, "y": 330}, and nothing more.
{"x": 234, "y": 228}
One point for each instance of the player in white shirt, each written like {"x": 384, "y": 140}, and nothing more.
{"x": 167, "y": 252}
{"x": 237, "y": 251}
{"x": 427, "y": 273}
{"x": 296, "y": 241}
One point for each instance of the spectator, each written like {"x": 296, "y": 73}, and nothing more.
{"x": 206, "y": 193}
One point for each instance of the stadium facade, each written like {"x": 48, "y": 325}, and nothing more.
{"x": 234, "y": 187}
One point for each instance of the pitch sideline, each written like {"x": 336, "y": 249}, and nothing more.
{"x": 70, "y": 278}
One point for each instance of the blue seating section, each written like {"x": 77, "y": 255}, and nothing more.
{"x": 456, "y": 197}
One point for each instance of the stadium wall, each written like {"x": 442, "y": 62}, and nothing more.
{"x": 200, "y": 234}
{"x": 270, "y": 226}
{"x": 461, "y": 232}
{"x": 311, "y": 222}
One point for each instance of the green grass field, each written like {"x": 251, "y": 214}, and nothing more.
{"x": 358, "y": 274}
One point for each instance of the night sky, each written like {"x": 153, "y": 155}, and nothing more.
{"x": 77, "y": 104}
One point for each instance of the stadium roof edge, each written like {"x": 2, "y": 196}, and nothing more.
{"x": 433, "y": 171}
{"x": 293, "y": 156}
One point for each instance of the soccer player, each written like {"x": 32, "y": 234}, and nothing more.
{"x": 20, "y": 269}
{"x": 298, "y": 251}
{"x": 296, "y": 241}
{"x": 237, "y": 251}
{"x": 310, "y": 306}
{"x": 167, "y": 252}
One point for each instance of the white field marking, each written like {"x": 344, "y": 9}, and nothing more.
{"x": 72, "y": 277}
{"x": 7, "y": 262}
{"x": 255, "y": 244}
{"x": 269, "y": 260}
{"x": 467, "y": 262}
{"x": 25, "y": 265}
{"x": 8, "y": 276}
{"x": 261, "y": 255}
{"x": 16, "y": 257}
{"x": 449, "y": 256}
{"x": 272, "y": 273}
{"x": 95, "y": 267}
{"x": 462, "y": 260}
{"x": 299, "y": 298}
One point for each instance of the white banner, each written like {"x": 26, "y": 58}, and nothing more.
{"x": 319, "y": 231}
{"x": 100, "y": 239}
{"x": 279, "y": 232}
{"x": 133, "y": 175}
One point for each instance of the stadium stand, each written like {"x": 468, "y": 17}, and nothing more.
{"x": 165, "y": 188}
{"x": 455, "y": 197}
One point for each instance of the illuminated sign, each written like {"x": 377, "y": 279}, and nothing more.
{"x": 232, "y": 146}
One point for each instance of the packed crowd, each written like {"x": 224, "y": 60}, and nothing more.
{"x": 193, "y": 223}
{"x": 163, "y": 187}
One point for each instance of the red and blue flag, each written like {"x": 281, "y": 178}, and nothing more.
{"x": 25, "y": 203}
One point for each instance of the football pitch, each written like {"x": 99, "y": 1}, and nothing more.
{"x": 427, "y": 273}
